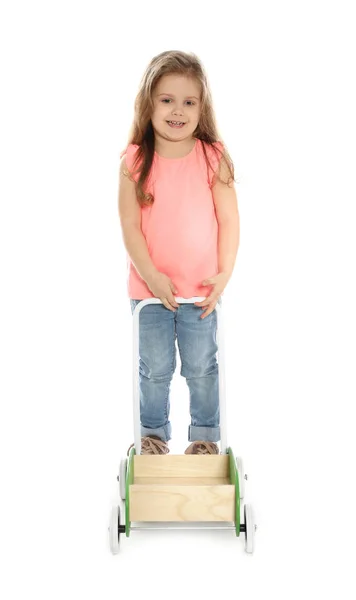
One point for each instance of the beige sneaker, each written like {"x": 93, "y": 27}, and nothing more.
{"x": 201, "y": 447}
{"x": 152, "y": 445}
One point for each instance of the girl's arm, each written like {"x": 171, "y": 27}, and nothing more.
{"x": 158, "y": 283}
{"x": 130, "y": 218}
{"x": 227, "y": 215}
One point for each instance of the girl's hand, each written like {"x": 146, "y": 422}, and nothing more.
{"x": 162, "y": 287}
{"x": 218, "y": 282}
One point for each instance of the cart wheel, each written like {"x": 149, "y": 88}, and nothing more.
{"x": 250, "y": 528}
{"x": 122, "y": 478}
{"x": 240, "y": 470}
{"x": 114, "y": 535}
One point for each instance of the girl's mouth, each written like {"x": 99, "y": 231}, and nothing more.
{"x": 176, "y": 124}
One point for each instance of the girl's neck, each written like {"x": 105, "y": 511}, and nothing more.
{"x": 168, "y": 149}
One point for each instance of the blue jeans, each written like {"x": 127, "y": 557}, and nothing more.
{"x": 159, "y": 329}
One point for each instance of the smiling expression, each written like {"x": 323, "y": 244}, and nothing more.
{"x": 176, "y": 107}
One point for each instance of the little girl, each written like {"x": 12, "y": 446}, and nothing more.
{"x": 180, "y": 225}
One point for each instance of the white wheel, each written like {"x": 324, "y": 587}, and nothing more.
{"x": 114, "y": 538}
{"x": 250, "y": 528}
{"x": 240, "y": 470}
{"x": 122, "y": 478}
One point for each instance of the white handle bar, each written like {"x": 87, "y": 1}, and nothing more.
{"x": 136, "y": 383}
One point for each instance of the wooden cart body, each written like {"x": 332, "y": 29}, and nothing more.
{"x": 176, "y": 488}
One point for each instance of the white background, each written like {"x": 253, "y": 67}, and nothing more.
{"x": 282, "y": 77}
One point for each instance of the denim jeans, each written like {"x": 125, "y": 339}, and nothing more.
{"x": 159, "y": 328}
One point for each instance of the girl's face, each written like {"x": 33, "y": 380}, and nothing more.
{"x": 176, "y": 98}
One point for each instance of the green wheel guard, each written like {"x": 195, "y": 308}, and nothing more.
{"x": 129, "y": 481}
{"x": 234, "y": 480}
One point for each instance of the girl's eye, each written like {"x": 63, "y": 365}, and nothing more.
{"x": 166, "y": 100}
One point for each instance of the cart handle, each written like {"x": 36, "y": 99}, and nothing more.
{"x": 136, "y": 383}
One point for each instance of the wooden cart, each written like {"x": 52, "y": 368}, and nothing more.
{"x": 172, "y": 491}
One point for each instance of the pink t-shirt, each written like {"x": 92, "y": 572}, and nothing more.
{"x": 180, "y": 227}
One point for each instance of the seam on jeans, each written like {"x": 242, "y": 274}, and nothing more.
{"x": 180, "y": 355}
{"x": 173, "y": 366}
{"x": 182, "y": 368}
{"x": 165, "y": 405}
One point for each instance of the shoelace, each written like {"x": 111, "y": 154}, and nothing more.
{"x": 202, "y": 448}
{"x": 152, "y": 446}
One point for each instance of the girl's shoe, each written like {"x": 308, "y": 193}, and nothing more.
{"x": 152, "y": 445}
{"x": 201, "y": 447}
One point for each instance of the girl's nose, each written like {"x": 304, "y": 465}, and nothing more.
{"x": 178, "y": 111}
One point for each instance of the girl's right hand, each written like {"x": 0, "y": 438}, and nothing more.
{"x": 162, "y": 287}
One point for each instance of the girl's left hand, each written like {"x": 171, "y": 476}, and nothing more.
{"x": 218, "y": 282}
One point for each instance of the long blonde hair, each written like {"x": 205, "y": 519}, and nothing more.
{"x": 142, "y": 133}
